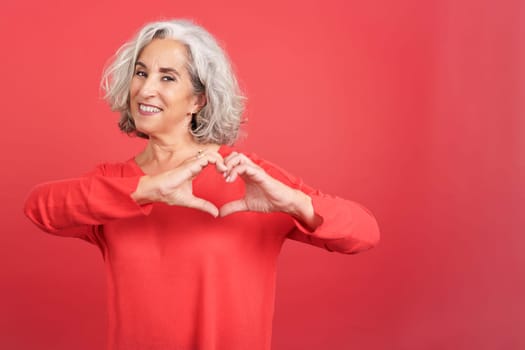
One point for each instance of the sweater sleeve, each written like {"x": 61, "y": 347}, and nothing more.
{"x": 79, "y": 207}
{"x": 347, "y": 226}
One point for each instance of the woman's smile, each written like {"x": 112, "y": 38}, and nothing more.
{"x": 145, "y": 109}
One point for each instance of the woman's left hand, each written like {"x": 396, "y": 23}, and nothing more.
{"x": 263, "y": 193}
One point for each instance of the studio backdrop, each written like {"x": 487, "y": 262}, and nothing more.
{"x": 413, "y": 108}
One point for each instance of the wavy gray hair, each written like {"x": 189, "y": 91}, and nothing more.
{"x": 210, "y": 73}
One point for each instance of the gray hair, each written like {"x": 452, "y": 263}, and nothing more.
{"x": 210, "y": 72}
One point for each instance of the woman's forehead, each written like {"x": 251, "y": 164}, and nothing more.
{"x": 164, "y": 53}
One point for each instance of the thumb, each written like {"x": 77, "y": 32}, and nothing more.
{"x": 203, "y": 205}
{"x": 233, "y": 207}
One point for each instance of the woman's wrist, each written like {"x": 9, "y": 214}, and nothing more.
{"x": 144, "y": 192}
{"x": 302, "y": 209}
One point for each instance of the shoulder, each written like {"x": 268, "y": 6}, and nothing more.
{"x": 117, "y": 169}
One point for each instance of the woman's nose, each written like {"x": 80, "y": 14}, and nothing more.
{"x": 149, "y": 88}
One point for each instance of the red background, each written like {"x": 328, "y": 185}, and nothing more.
{"x": 413, "y": 108}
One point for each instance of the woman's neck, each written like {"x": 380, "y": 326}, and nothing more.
{"x": 160, "y": 155}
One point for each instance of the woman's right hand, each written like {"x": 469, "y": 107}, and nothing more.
{"x": 174, "y": 187}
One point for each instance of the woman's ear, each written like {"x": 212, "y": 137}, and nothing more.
{"x": 200, "y": 102}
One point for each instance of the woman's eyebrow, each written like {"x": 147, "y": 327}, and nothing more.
{"x": 162, "y": 69}
{"x": 169, "y": 70}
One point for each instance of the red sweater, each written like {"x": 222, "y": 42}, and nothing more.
{"x": 178, "y": 278}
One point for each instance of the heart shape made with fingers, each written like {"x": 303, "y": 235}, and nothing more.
{"x": 262, "y": 192}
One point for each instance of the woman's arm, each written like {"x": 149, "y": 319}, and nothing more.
{"x": 322, "y": 220}
{"x": 70, "y": 207}
{"x": 346, "y": 226}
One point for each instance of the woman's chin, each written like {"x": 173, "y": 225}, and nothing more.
{"x": 144, "y": 125}
{"x": 143, "y": 130}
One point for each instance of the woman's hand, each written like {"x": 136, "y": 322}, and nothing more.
{"x": 174, "y": 187}
{"x": 265, "y": 194}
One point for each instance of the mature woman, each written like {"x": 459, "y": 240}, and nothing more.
{"x": 190, "y": 229}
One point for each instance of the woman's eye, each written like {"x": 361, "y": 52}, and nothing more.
{"x": 168, "y": 78}
{"x": 140, "y": 73}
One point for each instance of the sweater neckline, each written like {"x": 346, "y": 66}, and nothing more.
{"x": 224, "y": 150}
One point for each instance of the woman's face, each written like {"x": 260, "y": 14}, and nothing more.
{"x": 161, "y": 94}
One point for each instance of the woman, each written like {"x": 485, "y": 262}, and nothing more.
{"x": 190, "y": 229}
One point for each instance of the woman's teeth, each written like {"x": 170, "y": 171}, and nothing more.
{"x": 149, "y": 109}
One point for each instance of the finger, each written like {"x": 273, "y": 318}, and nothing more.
{"x": 203, "y": 205}
{"x": 216, "y": 158}
{"x": 235, "y": 161}
{"x": 246, "y": 171}
{"x": 196, "y": 166}
{"x": 205, "y": 158}
{"x": 232, "y": 162}
{"x": 233, "y": 207}
{"x": 230, "y": 156}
